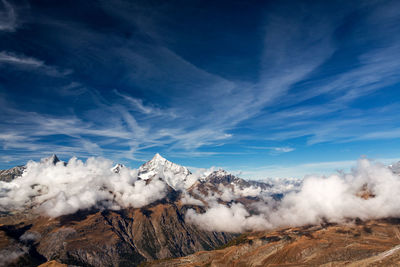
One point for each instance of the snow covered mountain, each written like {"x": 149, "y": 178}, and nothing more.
{"x": 173, "y": 174}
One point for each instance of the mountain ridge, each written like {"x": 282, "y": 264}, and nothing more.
{"x": 163, "y": 211}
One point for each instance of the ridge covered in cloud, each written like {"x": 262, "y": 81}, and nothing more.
{"x": 64, "y": 189}
{"x": 371, "y": 190}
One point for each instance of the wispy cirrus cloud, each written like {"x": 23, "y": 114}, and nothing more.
{"x": 152, "y": 85}
{"x": 8, "y": 17}
{"x": 203, "y": 107}
{"x": 13, "y": 59}
{"x": 284, "y": 149}
{"x": 30, "y": 63}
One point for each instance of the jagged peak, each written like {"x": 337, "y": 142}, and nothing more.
{"x": 174, "y": 174}
{"x": 158, "y": 158}
{"x": 159, "y": 161}
{"x": 51, "y": 159}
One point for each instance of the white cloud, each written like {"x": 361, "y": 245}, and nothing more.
{"x": 335, "y": 198}
{"x": 284, "y": 149}
{"x": 230, "y": 219}
{"x": 30, "y": 63}
{"x": 11, "y": 58}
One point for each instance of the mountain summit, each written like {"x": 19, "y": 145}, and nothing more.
{"x": 53, "y": 159}
{"x": 173, "y": 174}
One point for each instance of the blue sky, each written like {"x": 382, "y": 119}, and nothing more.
{"x": 260, "y": 88}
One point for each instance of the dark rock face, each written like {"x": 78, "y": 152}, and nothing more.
{"x": 17, "y": 249}
{"x": 53, "y": 159}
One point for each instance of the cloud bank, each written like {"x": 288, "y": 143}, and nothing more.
{"x": 370, "y": 190}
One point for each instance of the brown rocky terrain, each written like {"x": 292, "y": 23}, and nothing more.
{"x": 372, "y": 243}
{"x": 105, "y": 238}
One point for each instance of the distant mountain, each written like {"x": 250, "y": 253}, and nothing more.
{"x": 224, "y": 187}
{"x": 10, "y": 174}
{"x": 225, "y": 178}
{"x": 53, "y": 159}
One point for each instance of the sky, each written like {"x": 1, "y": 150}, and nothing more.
{"x": 259, "y": 88}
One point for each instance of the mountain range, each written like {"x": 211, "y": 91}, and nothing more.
{"x": 121, "y": 229}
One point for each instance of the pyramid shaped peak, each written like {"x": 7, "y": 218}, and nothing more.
{"x": 170, "y": 172}
{"x": 158, "y": 160}
{"x": 52, "y": 159}
{"x": 157, "y": 156}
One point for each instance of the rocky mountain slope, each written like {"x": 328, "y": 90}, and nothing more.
{"x": 94, "y": 214}
{"x": 106, "y": 238}
{"x": 357, "y": 243}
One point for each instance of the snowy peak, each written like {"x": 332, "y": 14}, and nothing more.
{"x": 175, "y": 175}
{"x": 158, "y": 157}
{"x": 220, "y": 173}
{"x": 222, "y": 177}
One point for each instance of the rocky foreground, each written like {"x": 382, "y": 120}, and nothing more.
{"x": 372, "y": 243}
